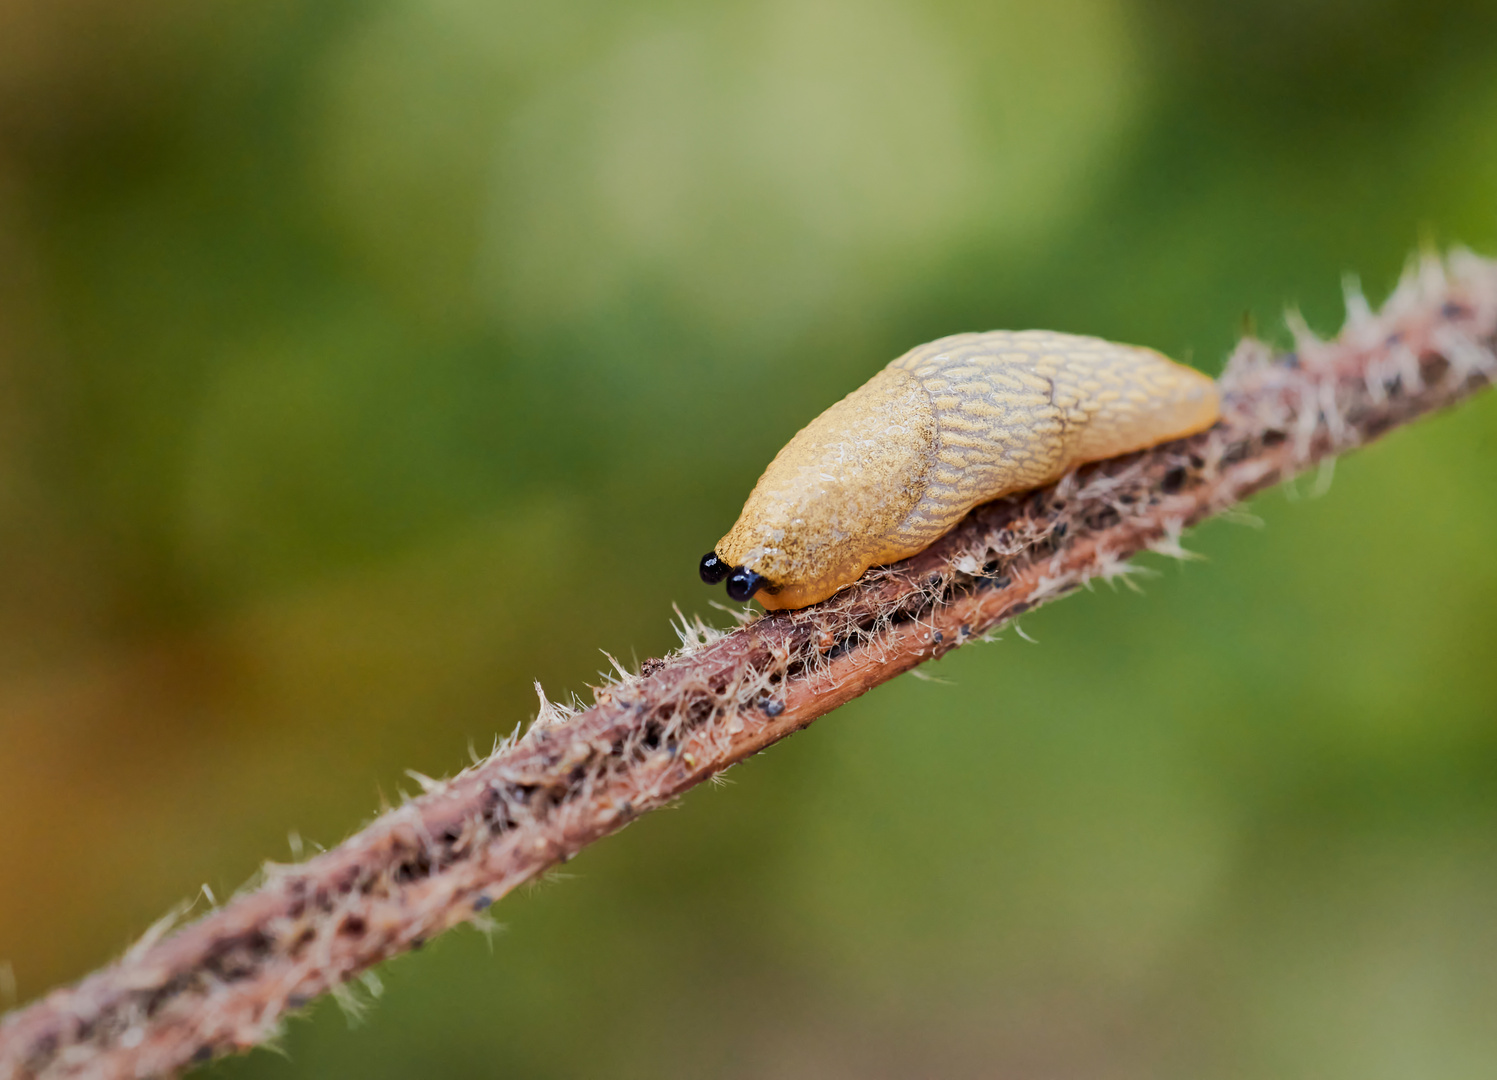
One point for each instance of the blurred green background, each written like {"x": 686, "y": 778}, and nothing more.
{"x": 362, "y": 362}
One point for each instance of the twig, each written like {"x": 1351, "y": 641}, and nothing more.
{"x": 225, "y": 982}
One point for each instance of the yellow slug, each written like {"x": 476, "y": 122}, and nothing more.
{"x": 949, "y": 425}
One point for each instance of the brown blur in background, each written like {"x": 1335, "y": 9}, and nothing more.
{"x": 361, "y": 362}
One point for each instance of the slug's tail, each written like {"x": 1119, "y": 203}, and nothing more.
{"x": 1145, "y": 399}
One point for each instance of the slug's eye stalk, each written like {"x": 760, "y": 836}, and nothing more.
{"x": 714, "y": 569}
{"x": 743, "y": 584}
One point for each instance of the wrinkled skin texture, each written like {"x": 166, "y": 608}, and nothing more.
{"x": 947, "y": 426}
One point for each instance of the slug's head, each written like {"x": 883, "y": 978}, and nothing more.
{"x": 830, "y": 504}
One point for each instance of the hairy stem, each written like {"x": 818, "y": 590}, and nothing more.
{"x": 225, "y": 982}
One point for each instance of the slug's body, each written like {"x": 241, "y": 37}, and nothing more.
{"x": 948, "y": 425}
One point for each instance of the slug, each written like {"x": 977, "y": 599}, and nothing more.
{"x": 951, "y": 424}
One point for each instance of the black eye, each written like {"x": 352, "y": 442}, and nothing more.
{"x": 714, "y": 569}
{"x": 743, "y": 584}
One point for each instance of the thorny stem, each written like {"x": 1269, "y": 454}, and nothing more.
{"x": 224, "y": 983}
